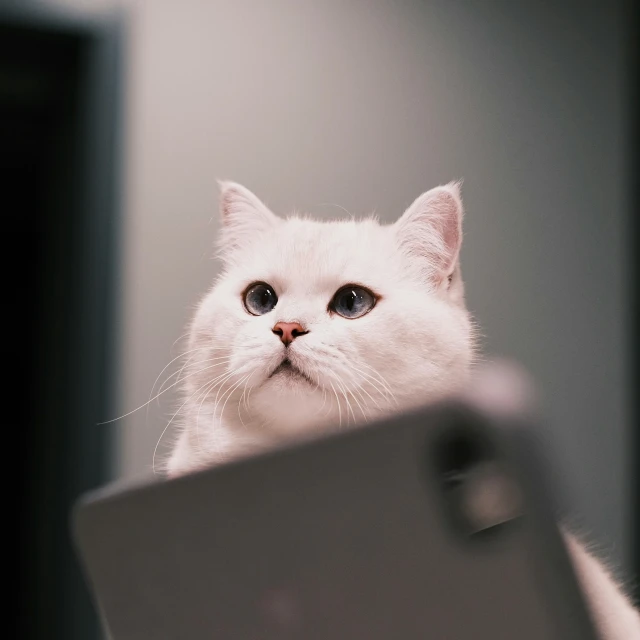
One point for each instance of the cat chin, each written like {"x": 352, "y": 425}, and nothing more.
{"x": 287, "y": 379}
{"x": 291, "y": 406}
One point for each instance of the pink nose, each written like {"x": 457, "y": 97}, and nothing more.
{"x": 288, "y": 331}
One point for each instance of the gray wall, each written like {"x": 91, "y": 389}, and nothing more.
{"x": 366, "y": 103}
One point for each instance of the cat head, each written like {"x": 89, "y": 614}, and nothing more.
{"x": 322, "y": 324}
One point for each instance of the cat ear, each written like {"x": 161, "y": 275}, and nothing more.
{"x": 431, "y": 229}
{"x": 243, "y": 215}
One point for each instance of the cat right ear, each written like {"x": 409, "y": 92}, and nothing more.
{"x": 243, "y": 215}
{"x": 430, "y": 230}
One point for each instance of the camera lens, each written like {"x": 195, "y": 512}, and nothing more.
{"x": 477, "y": 491}
{"x": 489, "y": 498}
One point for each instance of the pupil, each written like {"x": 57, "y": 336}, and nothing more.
{"x": 351, "y": 298}
{"x": 264, "y": 298}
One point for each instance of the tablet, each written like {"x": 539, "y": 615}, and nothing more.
{"x": 432, "y": 524}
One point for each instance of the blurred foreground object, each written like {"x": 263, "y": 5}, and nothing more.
{"x": 437, "y": 522}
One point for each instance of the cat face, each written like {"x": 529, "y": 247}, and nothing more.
{"x": 324, "y": 324}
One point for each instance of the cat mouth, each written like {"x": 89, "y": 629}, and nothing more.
{"x": 287, "y": 369}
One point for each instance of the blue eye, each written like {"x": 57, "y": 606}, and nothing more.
{"x": 259, "y": 299}
{"x": 352, "y": 302}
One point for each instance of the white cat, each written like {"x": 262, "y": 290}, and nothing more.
{"x": 317, "y": 324}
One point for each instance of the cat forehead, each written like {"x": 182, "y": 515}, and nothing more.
{"x": 340, "y": 240}
{"x": 307, "y": 251}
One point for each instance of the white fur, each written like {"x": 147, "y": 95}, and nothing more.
{"x": 415, "y": 346}
{"x": 614, "y": 616}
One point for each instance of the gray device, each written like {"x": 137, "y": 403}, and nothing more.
{"x": 434, "y": 524}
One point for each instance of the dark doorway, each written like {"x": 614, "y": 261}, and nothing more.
{"x": 60, "y": 95}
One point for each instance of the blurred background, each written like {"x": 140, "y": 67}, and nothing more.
{"x": 116, "y": 118}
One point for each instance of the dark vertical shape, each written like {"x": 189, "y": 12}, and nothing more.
{"x": 94, "y": 329}
{"x": 60, "y": 109}
{"x": 633, "y": 164}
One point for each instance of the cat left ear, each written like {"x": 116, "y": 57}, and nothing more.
{"x": 243, "y": 216}
{"x": 431, "y": 229}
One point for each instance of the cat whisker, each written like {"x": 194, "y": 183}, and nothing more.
{"x": 219, "y": 398}
{"x": 338, "y": 401}
{"x": 208, "y": 388}
{"x": 240, "y": 405}
{"x": 248, "y": 401}
{"x": 350, "y": 392}
{"x": 184, "y": 366}
{"x": 243, "y": 400}
{"x": 169, "y": 364}
{"x": 380, "y": 378}
{"x": 343, "y": 391}
{"x": 362, "y": 411}
{"x": 324, "y": 398}
{"x": 360, "y": 389}
{"x": 164, "y": 369}
{"x": 230, "y": 393}
{"x": 227, "y": 377}
{"x": 328, "y": 411}
{"x": 184, "y": 335}
{"x": 159, "y": 394}
{"x": 207, "y": 349}
{"x": 153, "y": 460}
{"x": 374, "y": 378}
{"x": 206, "y": 393}
{"x": 374, "y": 381}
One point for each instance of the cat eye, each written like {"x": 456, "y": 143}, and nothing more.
{"x": 352, "y": 301}
{"x": 259, "y": 299}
